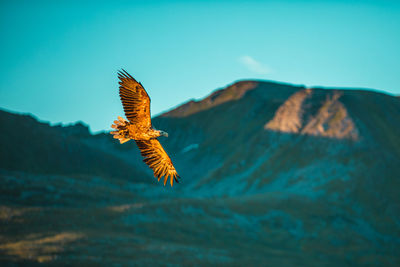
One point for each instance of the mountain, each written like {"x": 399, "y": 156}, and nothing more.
{"x": 272, "y": 174}
{"x": 31, "y": 146}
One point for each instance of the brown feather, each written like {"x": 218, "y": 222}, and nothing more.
{"x": 157, "y": 159}
{"x": 135, "y": 100}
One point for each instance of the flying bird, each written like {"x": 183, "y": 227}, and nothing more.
{"x": 136, "y": 103}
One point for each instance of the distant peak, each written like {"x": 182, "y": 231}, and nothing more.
{"x": 218, "y": 97}
{"x": 78, "y": 128}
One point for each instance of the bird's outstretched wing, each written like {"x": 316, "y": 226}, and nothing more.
{"x": 158, "y": 160}
{"x": 135, "y": 100}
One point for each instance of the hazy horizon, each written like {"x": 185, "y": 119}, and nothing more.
{"x": 53, "y": 123}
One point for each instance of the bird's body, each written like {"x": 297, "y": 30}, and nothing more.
{"x": 136, "y": 105}
{"x": 142, "y": 133}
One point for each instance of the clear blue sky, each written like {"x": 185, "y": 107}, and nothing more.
{"x": 59, "y": 60}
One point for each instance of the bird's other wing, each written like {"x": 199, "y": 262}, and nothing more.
{"x": 135, "y": 100}
{"x": 158, "y": 160}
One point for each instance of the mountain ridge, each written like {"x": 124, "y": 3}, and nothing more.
{"x": 238, "y": 88}
{"x": 271, "y": 173}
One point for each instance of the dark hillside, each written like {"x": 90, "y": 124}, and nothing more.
{"x": 272, "y": 174}
{"x": 35, "y": 147}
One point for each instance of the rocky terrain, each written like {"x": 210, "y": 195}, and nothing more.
{"x": 272, "y": 174}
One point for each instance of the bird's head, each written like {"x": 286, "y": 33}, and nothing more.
{"x": 162, "y": 133}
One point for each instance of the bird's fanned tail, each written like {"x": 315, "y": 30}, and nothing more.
{"x": 121, "y": 130}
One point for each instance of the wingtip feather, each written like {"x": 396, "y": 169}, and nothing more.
{"x": 176, "y": 178}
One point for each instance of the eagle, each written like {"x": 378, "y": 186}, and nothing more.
{"x": 136, "y": 104}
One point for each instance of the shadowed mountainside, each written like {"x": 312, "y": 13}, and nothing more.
{"x": 34, "y": 147}
{"x": 271, "y": 173}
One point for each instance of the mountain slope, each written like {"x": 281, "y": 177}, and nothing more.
{"x": 30, "y": 146}
{"x": 271, "y": 174}
{"x": 247, "y": 132}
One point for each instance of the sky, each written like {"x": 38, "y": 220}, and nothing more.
{"x": 59, "y": 59}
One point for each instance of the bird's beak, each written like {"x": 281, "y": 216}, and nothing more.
{"x": 162, "y": 133}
